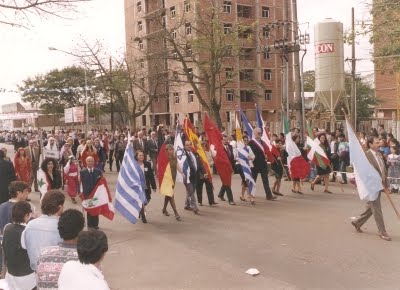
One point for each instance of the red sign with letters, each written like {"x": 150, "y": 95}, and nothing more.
{"x": 324, "y": 48}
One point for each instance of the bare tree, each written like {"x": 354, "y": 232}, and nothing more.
{"x": 127, "y": 81}
{"x": 17, "y": 13}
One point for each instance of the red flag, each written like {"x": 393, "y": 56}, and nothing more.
{"x": 99, "y": 201}
{"x": 221, "y": 160}
{"x": 162, "y": 162}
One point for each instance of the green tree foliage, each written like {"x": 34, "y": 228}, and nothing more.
{"x": 58, "y": 89}
{"x": 309, "y": 81}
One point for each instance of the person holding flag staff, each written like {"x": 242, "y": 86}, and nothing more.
{"x": 224, "y": 188}
{"x": 49, "y": 177}
{"x": 323, "y": 168}
{"x": 195, "y": 170}
{"x": 277, "y": 167}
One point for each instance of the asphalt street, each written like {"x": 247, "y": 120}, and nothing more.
{"x": 297, "y": 242}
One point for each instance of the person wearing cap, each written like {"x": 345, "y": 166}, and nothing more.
{"x": 71, "y": 172}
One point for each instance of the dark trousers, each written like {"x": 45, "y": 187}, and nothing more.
{"x": 264, "y": 177}
{"x": 110, "y": 158}
{"x": 34, "y": 179}
{"x": 209, "y": 189}
{"x": 118, "y": 159}
{"x": 92, "y": 221}
{"x": 228, "y": 190}
{"x": 342, "y": 168}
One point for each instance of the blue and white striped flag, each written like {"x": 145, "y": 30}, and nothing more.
{"x": 181, "y": 156}
{"x": 130, "y": 195}
{"x": 243, "y": 157}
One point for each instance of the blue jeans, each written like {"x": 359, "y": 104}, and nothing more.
{"x": 342, "y": 168}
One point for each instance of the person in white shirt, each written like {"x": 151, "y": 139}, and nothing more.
{"x": 85, "y": 274}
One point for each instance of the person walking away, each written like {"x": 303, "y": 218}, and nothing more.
{"x": 374, "y": 207}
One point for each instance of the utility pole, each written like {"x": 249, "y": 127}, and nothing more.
{"x": 353, "y": 71}
{"x": 285, "y": 59}
{"x": 297, "y": 103}
{"x": 111, "y": 100}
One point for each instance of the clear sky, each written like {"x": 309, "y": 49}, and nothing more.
{"x": 25, "y": 52}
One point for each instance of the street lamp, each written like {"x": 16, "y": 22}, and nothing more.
{"x": 86, "y": 97}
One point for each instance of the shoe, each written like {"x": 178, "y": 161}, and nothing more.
{"x": 294, "y": 191}
{"x": 164, "y": 211}
{"x": 221, "y": 198}
{"x": 187, "y": 208}
{"x": 232, "y": 203}
{"x": 253, "y": 202}
{"x": 385, "y": 237}
{"x": 178, "y": 218}
{"x": 299, "y": 192}
{"x": 277, "y": 193}
{"x": 200, "y": 204}
{"x": 144, "y": 219}
{"x": 327, "y": 191}
{"x": 272, "y": 198}
{"x": 214, "y": 203}
{"x": 196, "y": 212}
{"x": 242, "y": 199}
{"x": 358, "y": 229}
{"x": 343, "y": 182}
{"x": 312, "y": 186}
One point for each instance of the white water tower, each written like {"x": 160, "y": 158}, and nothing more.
{"x": 329, "y": 63}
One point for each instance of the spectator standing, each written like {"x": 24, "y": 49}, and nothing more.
{"x": 42, "y": 231}
{"x": 53, "y": 258}
{"x": 7, "y": 175}
{"x": 33, "y": 152}
{"x": 85, "y": 274}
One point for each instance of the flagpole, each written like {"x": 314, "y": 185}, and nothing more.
{"x": 387, "y": 192}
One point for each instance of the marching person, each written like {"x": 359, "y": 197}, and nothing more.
{"x": 7, "y": 175}
{"x": 323, "y": 173}
{"x": 204, "y": 179}
{"x": 53, "y": 175}
{"x": 89, "y": 151}
{"x": 374, "y": 207}
{"x": 23, "y": 166}
{"x": 225, "y": 188}
{"x": 89, "y": 177}
{"x": 249, "y": 161}
{"x": 191, "y": 180}
{"x": 33, "y": 152}
{"x": 260, "y": 163}
{"x": 71, "y": 177}
{"x": 152, "y": 146}
{"x": 150, "y": 181}
{"x": 119, "y": 150}
{"x": 139, "y": 143}
{"x": 277, "y": 167}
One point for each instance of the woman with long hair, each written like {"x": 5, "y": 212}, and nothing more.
{"x": 167, "y": 188}
{"x": 50, "y": 168}
{"x": 23, "y": 166}
{"x": 323, "y": 172}
{"x": 71, "y": 177}
{"x": 89, "y": 151}
{"x": 149, "y": 180}
{"x": 296, "y": 173}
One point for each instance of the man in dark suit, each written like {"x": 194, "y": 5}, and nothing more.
{"x": 195, "y": 170}
{"x": 89, "y": 177}
{"x": 33, "y": 152}
{"x": 260, "y": 163}
{"x": 224, "y": 188}
{"x": 152, "y": 147}
{"x": 140, "y": 144}
{"x": 374, "y": 207}
{"x": 7, "y": 174}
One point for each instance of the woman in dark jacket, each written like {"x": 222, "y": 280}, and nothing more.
{"x": 19, "y": 273}
{"x": 50, "y": 168}
{"x": 150, "y": 181}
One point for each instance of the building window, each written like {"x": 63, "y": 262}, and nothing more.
{"x": 230, "y": 95}
{"x": 227, "y": 28}
{"x": 188, "y": 28}
{"x": 141, "y": 63}
{"x": 243, "y": 11}
{"x": 246, "y": 96}
{"x": 187, "y": 6}
{"x": 268, "y": 95}
{"x": 246, "y": 53}
{"x": 228, "y": 50}
{"x": 229, "y": 73}
{"x": 265, "y": 12}
{"x": 266, "y": 55}
{"x": 245, "y": 32}
{"x": 266, "y": 32}
{"x": 163, "y": 21}
{"x": 190, "y": 73}
{"x": 176, "y": 98}
{"x": 142, "y": 82}
{"x": 228, "y": 116}
{"x": 156, "y": 99}
{"x": 190, "y": 96}
{"x": 175, "y": 55}
{"x": 140, "y": 45}
{"x": 246, "y": 75}
{"x": 188, "y": 50}
{"x": 139, "y": 6}
{"x": 227, "y": 8}
{"x": 144, "y": 120}
{"x": 267, "y": 74}
{"x": 140, "y": 25}
{"x": 175, "y": 75}
{"x": 173, "y": 34}
{"x": 172, "y": 11}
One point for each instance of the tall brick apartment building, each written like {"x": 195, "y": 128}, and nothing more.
{"x": 253, "y": 67}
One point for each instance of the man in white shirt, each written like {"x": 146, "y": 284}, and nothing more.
{"x": 85, "y": 274}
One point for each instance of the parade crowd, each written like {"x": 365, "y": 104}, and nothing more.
{"x": 49, "y": 249}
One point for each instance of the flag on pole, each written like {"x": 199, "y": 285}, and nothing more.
{"x": 368, "y": 180}
{"x": 243, "y": 156}
{"x": 221, "y": 160}
{"x": 246, "y": 124}
{"x": 264, "y": 133}
{"x": 181, "y": 156}
{"x": 165, "y": 178}
{"x": 316, "y": 153}
{"x": 191, "y": 135}
{"x": 130, "y": 195}
{"x": 99, "y": 201}
{"x": 298, "y": 166}
{"x": 43, "y": 183}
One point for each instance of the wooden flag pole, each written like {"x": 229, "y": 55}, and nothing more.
{"x": 387, "y": 192}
